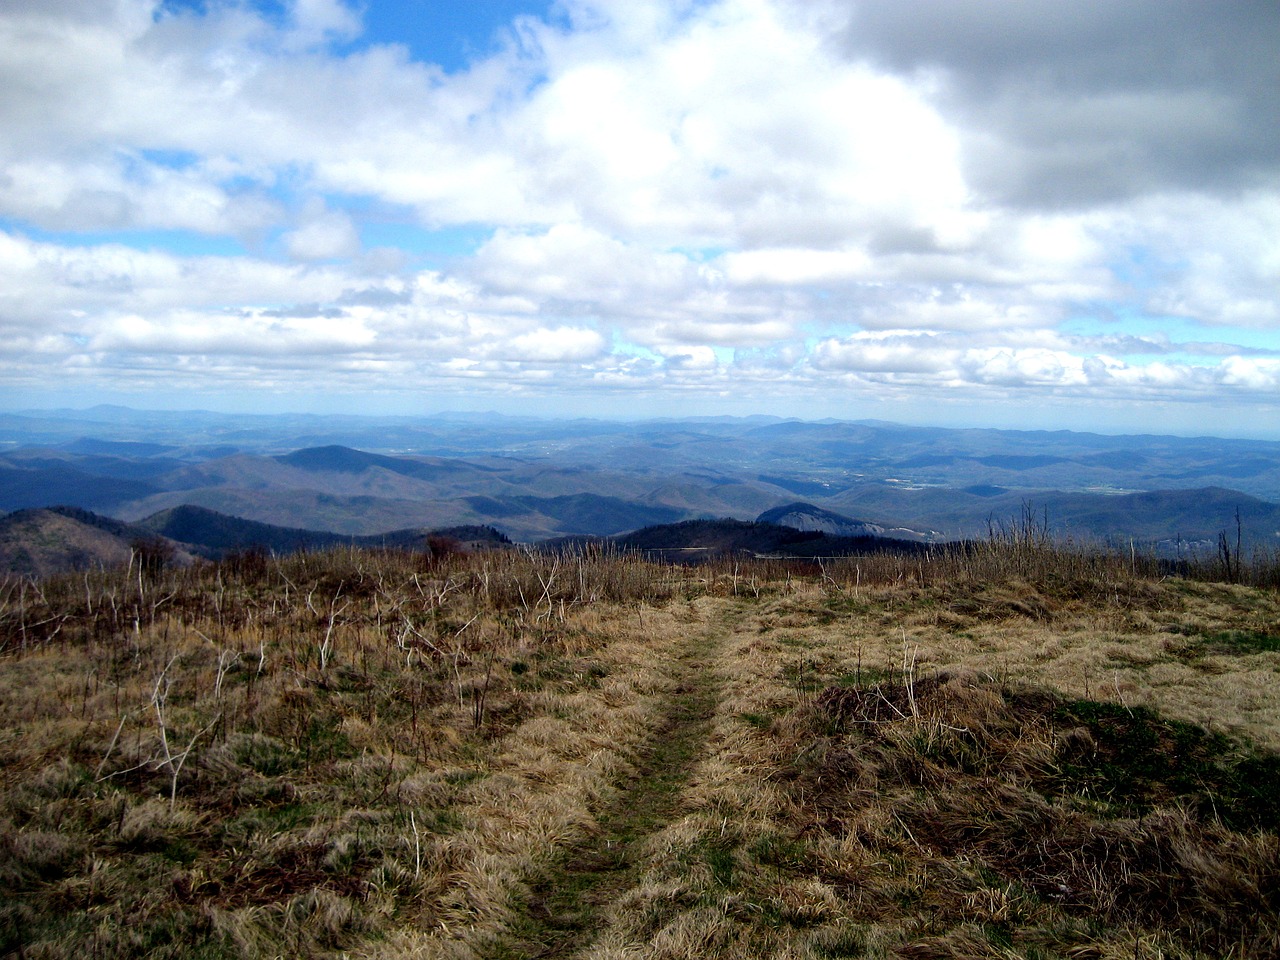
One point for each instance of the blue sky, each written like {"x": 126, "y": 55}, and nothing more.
{"x": 450, "y": 34}
{"x": 978, "y": 213}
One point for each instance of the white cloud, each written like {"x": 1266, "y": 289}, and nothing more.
{"x": 574, "y": 263}
{"x": 962, "y": 311}
{"x": 911, "y": 355}
{"x": 690, "y": 359}
{"x": 870, "y": 194}
{"x": 1215, "y": 261}
{"x": 1018, "y": 368}
{"x": 786, "y": 266}
{"x": 741, "y": 332}
{"x": 314, "y": 22}
{"x": 123, "y": 192}
{"x": 966, "y": 369}
{"x": 559, "y": 345}
{"x": 43, "y": 281}
{"x": 232, "y": 335}
{"x": 1096, "y": 102}
{"x": 323, "y": 235}
{"x": 1255, "y": 375}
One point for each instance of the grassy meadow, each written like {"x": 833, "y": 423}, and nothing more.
{"x": 1012, "y": 750}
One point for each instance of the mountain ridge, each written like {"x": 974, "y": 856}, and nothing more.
{"x": 44, "y": 541}
{"x": 539, "y": 479}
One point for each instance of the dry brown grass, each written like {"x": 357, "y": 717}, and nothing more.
{"x": 370, "y": 754}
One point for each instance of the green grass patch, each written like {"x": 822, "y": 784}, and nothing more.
{"x": 718, "y": 854}
{"x": 865, "y": 677}
{"x": 806, "y": 677}
{"x": 264, "y": 755}
{"x": 1240, "y": 642}
{"x": 839, "y": 942}
{"x": 1138, "y": 760}
{"x": 180, "y": 851}
{"x": 462, "y": 778}
{"x": 999, "y": 935}
{"x": 323, "y": 740}
{"x": 761, "y": 721}
{"x": 839, "y": 606}
{"x": 563, "y": 674}
{"x": 780, "y": 851}
{"x": 269, "y": 821}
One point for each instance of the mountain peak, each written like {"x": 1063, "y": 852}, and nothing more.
{"x": 807, "y": 517}
{"x": 334, "y": 459}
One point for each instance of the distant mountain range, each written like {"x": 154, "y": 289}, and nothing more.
{"x": 353, "y": 477}
{"x": 44, "y": 541}
{"x": 816, "y": 458}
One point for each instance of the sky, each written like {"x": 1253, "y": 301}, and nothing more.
{"x": 1028, "y": 214}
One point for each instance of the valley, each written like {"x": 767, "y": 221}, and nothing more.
{"x": 537, "y": 480}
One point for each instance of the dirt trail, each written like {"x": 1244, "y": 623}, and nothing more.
{"x": 564, "y": 911}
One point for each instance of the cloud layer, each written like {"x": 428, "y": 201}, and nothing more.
{"x": 809, "y": 208}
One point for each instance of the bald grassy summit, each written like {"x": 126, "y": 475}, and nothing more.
{"x": 1007, "y": 751}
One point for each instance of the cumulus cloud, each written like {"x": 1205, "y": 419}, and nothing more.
{"x": 44, "y": 280}
{"x": 573, "y": 263}
{"x": 836, "y": 195}
{"x": 323, "y": 235}
{"x": 559, "y": 345}
{"x": 967, "y": 369}
{"x": 1096, "y": 101}
{"x": 233, "y": 335}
